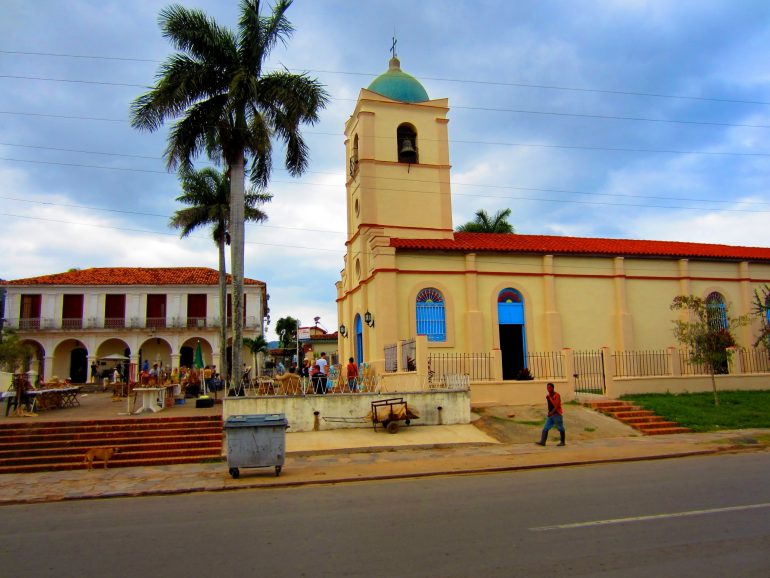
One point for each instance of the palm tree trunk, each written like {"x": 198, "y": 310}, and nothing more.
{"x": 237, "y": 241}
{"x": 222, "y": 311}
{"x": 714, "y": 387}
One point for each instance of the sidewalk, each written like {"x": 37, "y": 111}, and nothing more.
{"x": 342, "y": 456}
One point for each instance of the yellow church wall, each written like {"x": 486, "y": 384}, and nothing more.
{"x": 713, "y": 269}
{"x": 586, "y": 305}
{"x": 649, "y": 303}
{"x": 651, "y": 267}
{"x": 583, "y": 266}
{"x": 760, "y": 273}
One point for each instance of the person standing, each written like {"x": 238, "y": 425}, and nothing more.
{"x": 554, "y": 419}
{"x": 323, "y": 371}
{"x": 352, "y": 373}
{"x": 93, "y": 372}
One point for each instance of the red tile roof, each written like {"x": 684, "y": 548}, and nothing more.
{"x": 132, "y": 276}
{"x": 550, "y": 244}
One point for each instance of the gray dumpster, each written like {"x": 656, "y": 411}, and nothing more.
{"x": 255, "y": 441}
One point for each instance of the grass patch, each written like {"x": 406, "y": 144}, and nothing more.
{"x": 736, "y": 409}
{"x": 589, "y": 429}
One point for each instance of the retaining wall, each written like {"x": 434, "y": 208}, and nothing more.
{"x": 339, "y": 411}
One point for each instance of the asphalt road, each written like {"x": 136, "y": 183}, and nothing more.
{"x": 703, "y": 517}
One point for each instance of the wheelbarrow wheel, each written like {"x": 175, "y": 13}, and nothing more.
{"x": 235, "y": 473}
{"x": 277, "y": 471}
{"x": 392, "y": 427}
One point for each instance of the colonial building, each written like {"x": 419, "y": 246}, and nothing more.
{"x": 101, "y": 315}
{"x": 407, "y": 273}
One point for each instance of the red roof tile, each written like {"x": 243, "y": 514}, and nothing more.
{"x": 132, "y": 276}
{"x": 550, "y": 244}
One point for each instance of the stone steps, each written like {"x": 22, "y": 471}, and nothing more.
{"x": 638, "y": 418}
{"x": 32, "y": 447}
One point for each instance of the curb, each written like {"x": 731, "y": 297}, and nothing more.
{"x": 277, "y": 483}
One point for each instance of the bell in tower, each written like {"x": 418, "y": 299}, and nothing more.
{"x": 406, "y": 138}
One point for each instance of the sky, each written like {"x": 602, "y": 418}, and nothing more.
{"x": 639, "y": 119}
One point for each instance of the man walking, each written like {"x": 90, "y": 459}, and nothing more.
{"x": 554, "y": 418}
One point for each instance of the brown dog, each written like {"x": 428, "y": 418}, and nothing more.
{"x": 103, "y": 454}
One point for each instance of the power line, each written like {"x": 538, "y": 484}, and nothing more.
{"x": 513, "y": 198}
{"x": 434, "y": 78}
{"x": 483, "y": 109}
{"x": 143, "y": 214}
{"x": 132, "y": 230}
{"x": 608, "y": 269}
{"x": 450, "y": 141}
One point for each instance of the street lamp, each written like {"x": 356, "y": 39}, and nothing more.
{"x": 369, "y": 319}
{"x": 343, "y": 331}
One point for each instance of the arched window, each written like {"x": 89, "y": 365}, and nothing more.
{"x": 354, "y": 157}
{"x": 716, "y": 311}
{"x": 431, "y": 315}
{"x": 406, "y": 141}
{"x": 359, "y": 333}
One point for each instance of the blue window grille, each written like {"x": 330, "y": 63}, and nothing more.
{"x": 716, "y": 311}
{"x": 431, "y": 314}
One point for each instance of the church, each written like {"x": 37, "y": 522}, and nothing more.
{"x": 407, "y": 273}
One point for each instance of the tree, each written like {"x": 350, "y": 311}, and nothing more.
{"x": 286, "y": 328}
{"x": 762, "y": 310}
{"x": 229, "y": 108}
{"x": 707, "y": 334}
{"x": 256, "y": 345}
{"x": 207, "y": 192}
{"x": 484, "y": 224}
{"x": 13, "y": 353}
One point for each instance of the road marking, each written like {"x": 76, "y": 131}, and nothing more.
{"x": 653, "y": 517}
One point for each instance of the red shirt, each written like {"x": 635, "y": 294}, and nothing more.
{"x": 352, "y": 370}
{"x": 554, "y": 404}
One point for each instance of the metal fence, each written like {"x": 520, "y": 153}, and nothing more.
{"x": 546, "y": 365}
{"x": 409, "y": 355}
{"x": 476, "y": 365}
{"x": 690, "y": 368}
{"x": 391, "y": 358}
{"x": 755, "y": 360}
{"x": 589, "y": 372}
{"x": 641, "y": 363}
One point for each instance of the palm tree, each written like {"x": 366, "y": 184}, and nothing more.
{"x": 229, "y": 108}
{"x": 256, "y": 345}
{"x": 207, "y": 192}
{"x": 484, "y": 224}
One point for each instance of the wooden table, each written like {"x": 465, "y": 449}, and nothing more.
{"x": 150, "y": 397}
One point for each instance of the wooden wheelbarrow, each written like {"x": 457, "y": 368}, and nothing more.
{"x": 389, "y": 412}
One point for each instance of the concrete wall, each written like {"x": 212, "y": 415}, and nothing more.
{"x": 686, "y": 384}
{"x": 340, "y": 411}
{"x": 516, "y": 392}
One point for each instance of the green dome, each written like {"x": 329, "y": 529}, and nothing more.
{"x": 398, "y": 85}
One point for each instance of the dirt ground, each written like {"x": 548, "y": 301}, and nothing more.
{"x": 514, "y": 424}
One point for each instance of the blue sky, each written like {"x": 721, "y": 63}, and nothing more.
{"x": 640, "y": 119}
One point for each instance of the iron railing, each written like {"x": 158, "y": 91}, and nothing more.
{"x": 641, "y": 363}
{"x": 476, "y": 365}
{"x": 755, "y": 360}
{"x": 409, "y": 355}
{"x": 690, "y": 368}
{"x": 391, "y": 357}
{"x": 546, "y": 365}
{"x": 589, "y": 372}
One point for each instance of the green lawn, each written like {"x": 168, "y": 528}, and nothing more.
{"x": 736, "y": 409}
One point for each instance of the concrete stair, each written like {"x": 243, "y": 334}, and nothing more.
{"x": 641, "y": 419}
{"x": 48, "y": 446}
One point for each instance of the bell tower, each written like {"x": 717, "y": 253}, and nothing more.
{"x": 397, "y": 155}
